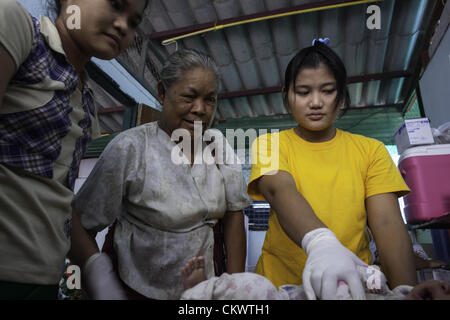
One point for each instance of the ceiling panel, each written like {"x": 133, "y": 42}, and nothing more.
{"x": 252, "y": 57}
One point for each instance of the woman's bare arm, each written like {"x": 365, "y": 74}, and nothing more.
{"x": 392, "y": 240}
{"x": 294, "y": 213}
{"x": 235, "y": 241}
{"x": 83, "y": 244}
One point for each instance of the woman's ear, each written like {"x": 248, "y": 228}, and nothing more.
{"x": 161, "y": 92}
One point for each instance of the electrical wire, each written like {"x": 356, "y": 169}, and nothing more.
{"x": 274, "y": 16}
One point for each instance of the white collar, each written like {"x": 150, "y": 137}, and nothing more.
{"x": 51, "y": 34}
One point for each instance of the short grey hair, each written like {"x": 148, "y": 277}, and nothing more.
{"x": 184, "y": 60}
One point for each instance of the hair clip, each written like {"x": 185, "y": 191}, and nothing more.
{"x": 324, "y": 41}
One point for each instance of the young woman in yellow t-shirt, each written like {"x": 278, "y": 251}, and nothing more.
{"x": 328, "y": 185}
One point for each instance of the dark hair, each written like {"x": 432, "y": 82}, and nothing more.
{"x": 312, "y": 57}
{"x": 54, "y": 8}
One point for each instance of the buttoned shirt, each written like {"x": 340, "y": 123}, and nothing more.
{"x": 166, "y": 210}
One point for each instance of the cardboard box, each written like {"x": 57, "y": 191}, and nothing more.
{"x": 413, "y": 133}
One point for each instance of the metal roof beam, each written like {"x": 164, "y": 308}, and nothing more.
{"x": 288, "y": 116}
{"x": 394, "y": 105}
{"x": 110, "y": 110}
{"x": 424, "y": 60}
{"x": 355, "y": 79}
{"x": 309, "y": 7}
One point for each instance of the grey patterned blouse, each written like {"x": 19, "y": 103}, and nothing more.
{"x": 165, "y": 211}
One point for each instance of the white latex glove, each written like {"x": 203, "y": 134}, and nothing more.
{"x": 329, "y": 262}
{"x": 100, "y": 280}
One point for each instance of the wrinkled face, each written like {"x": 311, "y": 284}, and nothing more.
{"x": 107, "y": 27}
{"x": 193, "y": 97}
{"x": 312, "y": 101}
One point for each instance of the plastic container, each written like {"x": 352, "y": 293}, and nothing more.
{"x": 426, "y": 171}
{"x": 412, "y": 133}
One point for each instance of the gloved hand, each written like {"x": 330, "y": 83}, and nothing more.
{"x": 329, "y": 262}
{"x": 100, "y": 280}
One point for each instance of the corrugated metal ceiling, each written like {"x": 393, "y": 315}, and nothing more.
{"x": 109, "y": 110}
{"x": 252, "y": 57}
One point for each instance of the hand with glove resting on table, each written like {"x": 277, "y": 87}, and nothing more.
{"x": 328, "y": 263}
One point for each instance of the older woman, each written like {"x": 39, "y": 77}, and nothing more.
{"x": 165, "y": 209}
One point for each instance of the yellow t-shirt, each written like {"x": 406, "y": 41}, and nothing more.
{"x": 335, "y": 177}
